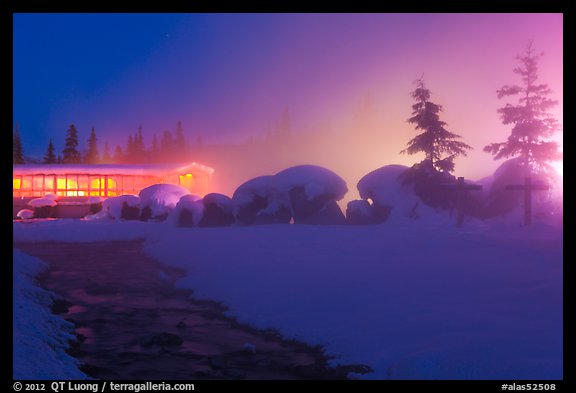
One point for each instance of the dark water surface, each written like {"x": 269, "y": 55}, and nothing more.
{"x": 132, "y": 323}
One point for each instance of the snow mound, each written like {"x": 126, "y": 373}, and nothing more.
{"x": 261, "y": 186}
{"x": 94, "y": 200}
{"x": 187, "y": 213}
{"x": 385, "y": 188}
{"x": 159, "y": 199}
{"x": 220, "y": 200}
{"x": 25, "y": 214}
{"x": 315, "y": 180}
{"x": 40, "y": 338}
{"x": 257, "y": 201}
{"x": 42, "y": 202}
{"x": 112, "y": 207}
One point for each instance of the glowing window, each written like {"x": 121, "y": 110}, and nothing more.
{"x": 27, "y": 182}
{"x": 49, "y": 184}
{"x": 111, "y": 182}
{"x": 38, "y": 182}
{"x": 95, "y": 183}
{"x": 187, "y": 180}
{"x": 16, "y": 183}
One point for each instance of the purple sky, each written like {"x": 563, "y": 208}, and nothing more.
{"x": 226, "y": 76}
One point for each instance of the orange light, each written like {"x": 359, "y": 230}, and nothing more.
{"x": 187, "y": 180}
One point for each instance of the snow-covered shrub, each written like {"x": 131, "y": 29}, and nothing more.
{"x": 25, "y": 214}
{"x": 258, "y": 202}
{"x": 312, "y": 191}
{"x": 158, "y": 200}
{"x": 388, "y": 194}
{"x": 188, "y": 212}
{"x": 499, "y": 201}
{"x": 43, "y": 207}
{"x": 217, "y": 211}
{"x": 361, "y": 212}
{"x": 95, "y": 204}
{"x": 125, "y": 207}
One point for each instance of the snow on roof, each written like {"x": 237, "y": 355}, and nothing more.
{"x": 111, "y": 169}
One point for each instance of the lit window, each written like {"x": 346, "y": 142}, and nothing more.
{"x": 16, "y": 183}
{"x": 187, "y": 180}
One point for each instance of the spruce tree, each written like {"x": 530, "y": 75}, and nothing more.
{"x": 70, "y": 154}
{"x": 17, "y": 148}
{"x": 155, "y": 150}
{"x": 92, "y": 156}
{"x": 180, "y": 141}
{"x": 50, "y": 156}
{"x": 438, "y": 144}
{"x": 106, "y": 158}
{"x": 118, "y": 155}
{"x": 167, "y": 146}
{"x": 529, "y": 117}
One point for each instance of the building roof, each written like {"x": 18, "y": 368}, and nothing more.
{"x": 110, "y": 169}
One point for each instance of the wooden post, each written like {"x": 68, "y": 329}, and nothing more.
{"x": 459, "y": 188}
{"x": 527, "y": 187}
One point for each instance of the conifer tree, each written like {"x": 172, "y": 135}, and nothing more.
{"x": 50, "y": 156}
{"x": 17, "y": 148}
{"x": 530, "y": 119}
{"x": 70, "y": 154}
{"x": 438, "y": 144}
{"x": 92, "y": 156}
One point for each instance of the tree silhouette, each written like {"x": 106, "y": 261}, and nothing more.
{"x": 17, "y": 148}
{"x": 438, "y": 144}
{"x": 70, "y": 154}
{"x": 92, "y": 156}
{"x": 106, "y": 158}
{"x": 50, "y": 156}
{"x": 530, "y": 120}
{"x": 180, "y": 141}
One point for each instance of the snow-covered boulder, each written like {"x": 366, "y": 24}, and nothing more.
{"x": 158, "y": 200}
{"x": 217, "y": 211}
{"x": 25, "y": 214}
{"x": 125, "y": 207}
{"x": 188, "y": 212}
{"x": 312, "y": 191}
{"x": 43, "y": 207}
{"x": 258, "y": 202}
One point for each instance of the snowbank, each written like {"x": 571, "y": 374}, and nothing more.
{"x": 411, "y": 301}
{"x": 40, "y": 338}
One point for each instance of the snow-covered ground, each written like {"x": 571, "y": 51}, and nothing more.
{"x": 40, "y": 338}
{"x": 413, "y": 299}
